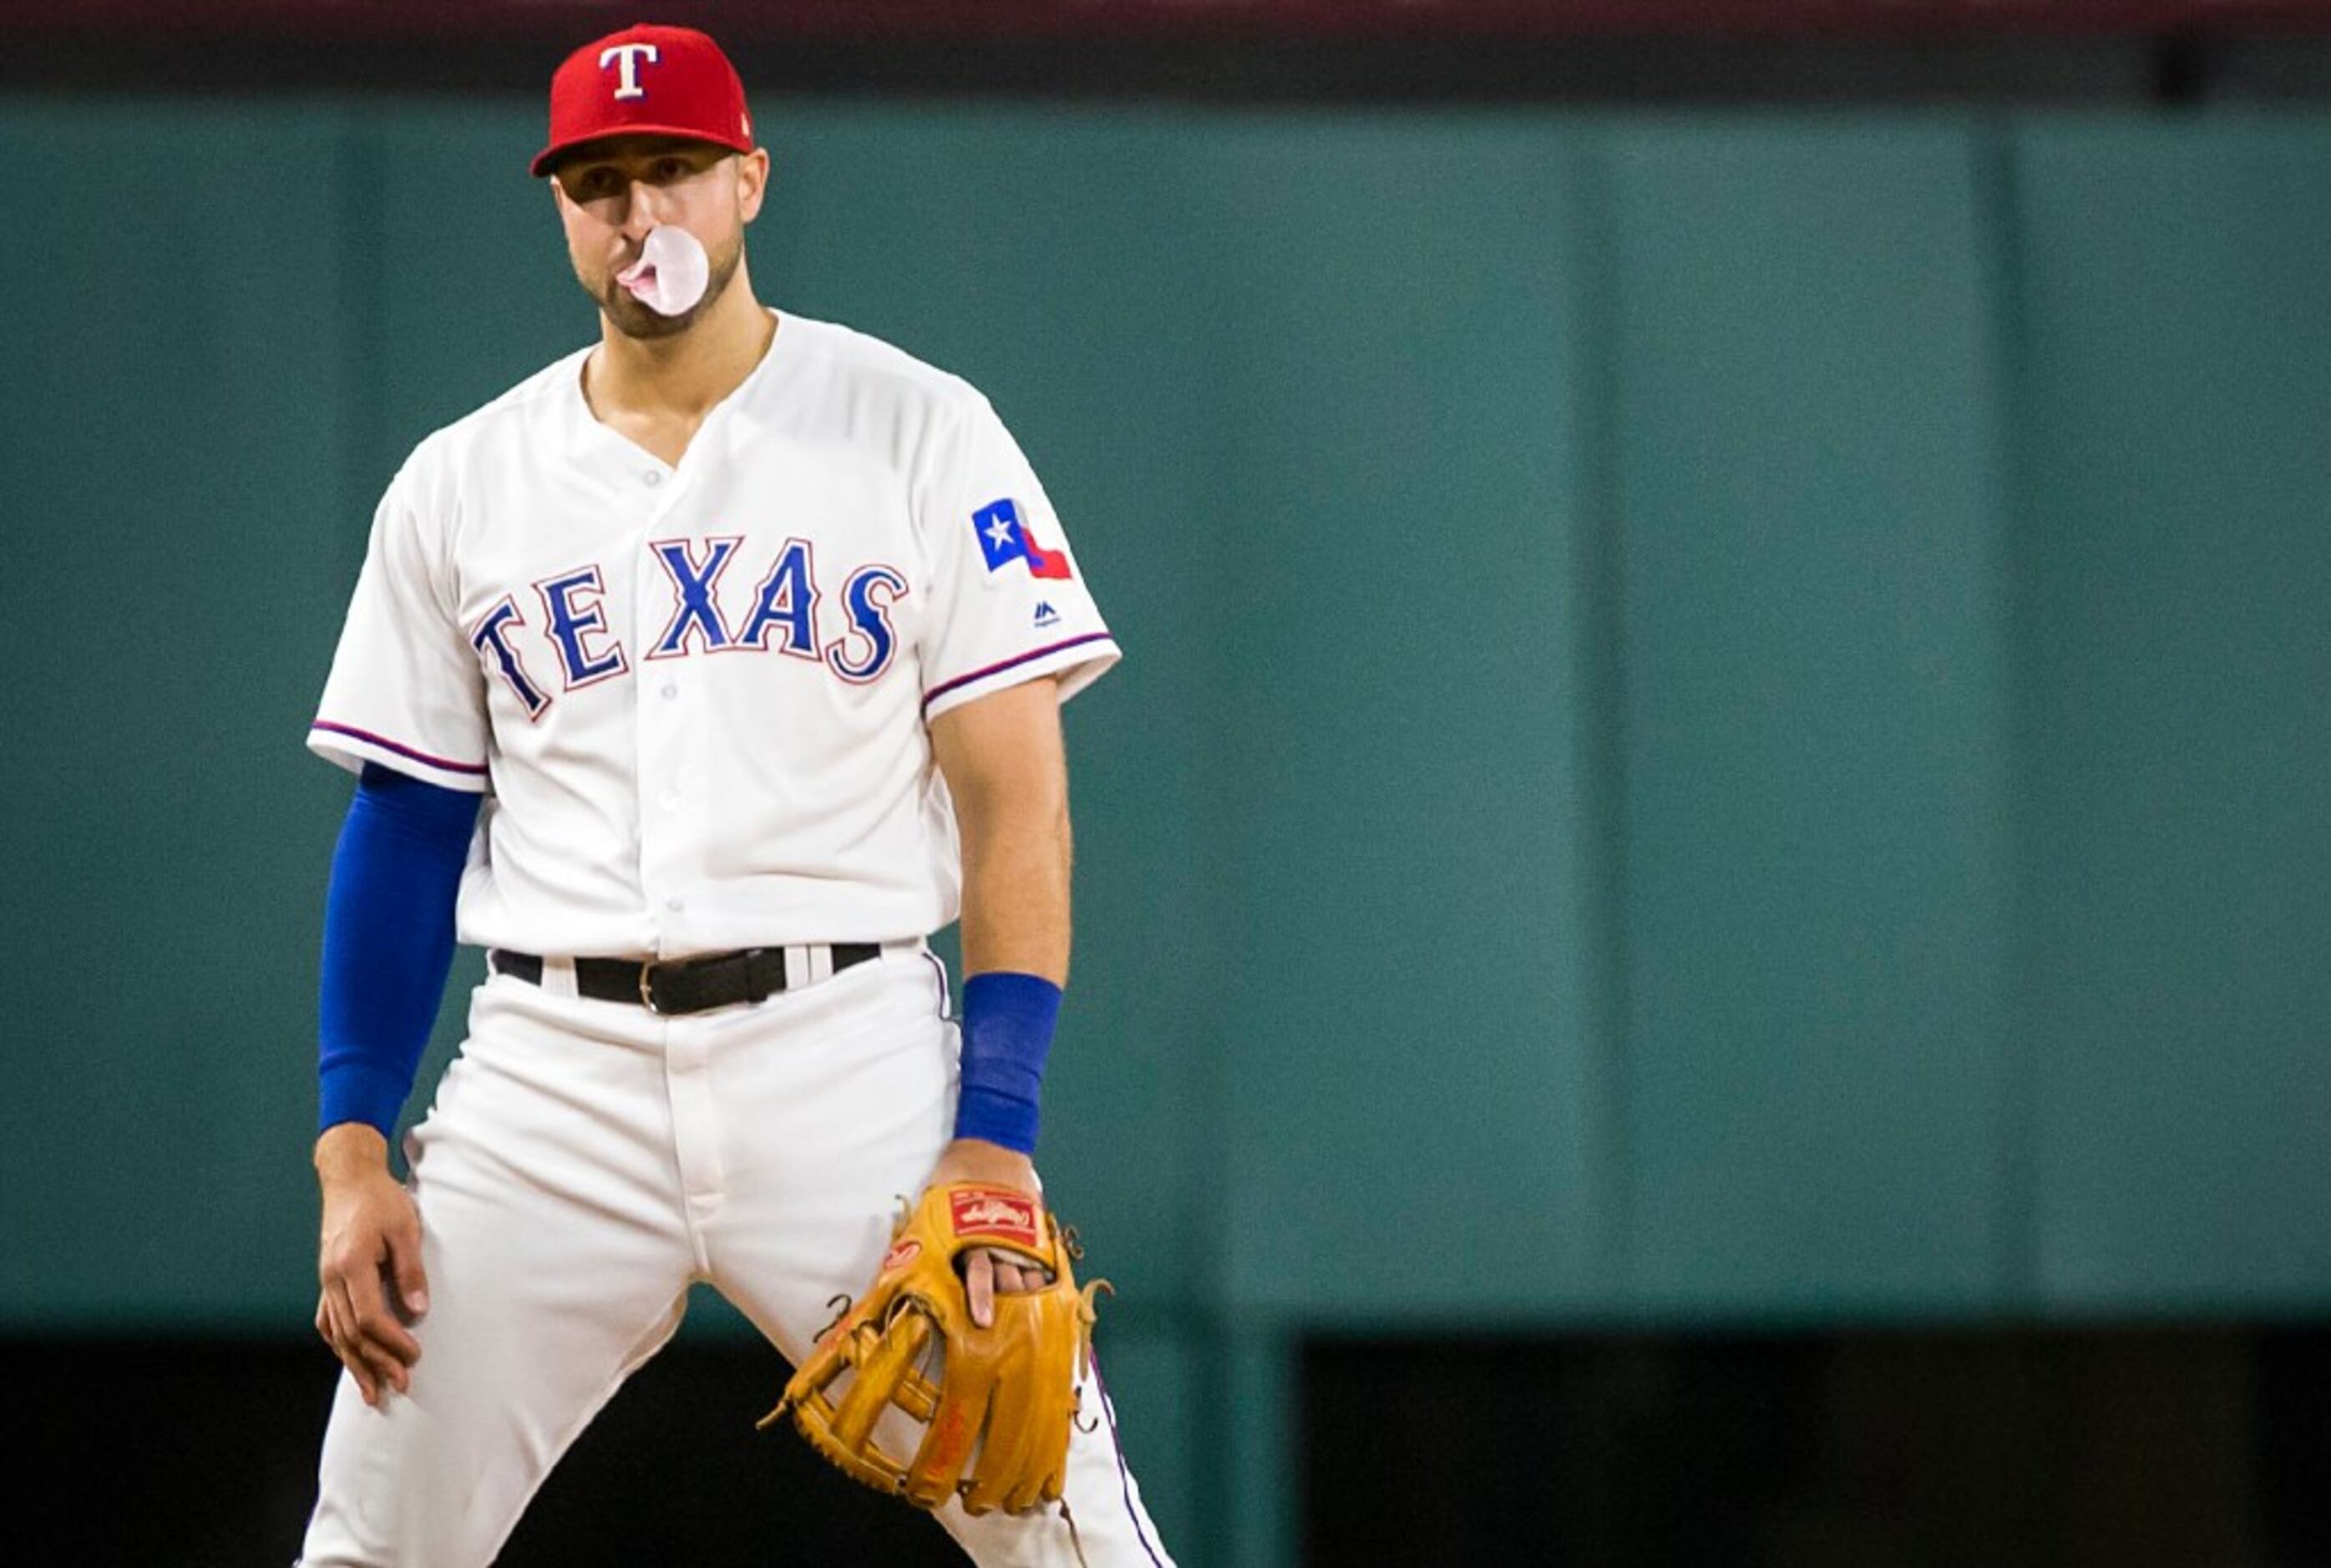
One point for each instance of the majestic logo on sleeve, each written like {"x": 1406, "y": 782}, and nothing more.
{"x": 1005, "y": 536}
{"x": 781, "y": 616}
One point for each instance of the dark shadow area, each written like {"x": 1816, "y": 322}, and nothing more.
{"x": 202, "y": 1454}
{"x": 2126, "y": 1447}
{"x": 2116, "y": 1447}
{"x": 1684, "y": 71}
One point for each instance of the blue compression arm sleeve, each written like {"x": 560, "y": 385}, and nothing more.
{"x": 1008, "y": 1020}
{"x": 388, "y": 941}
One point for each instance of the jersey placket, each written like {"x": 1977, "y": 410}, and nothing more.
{"x": 667, "y": 735}
{"x": 669, "y": 738}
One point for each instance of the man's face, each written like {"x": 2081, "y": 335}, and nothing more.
{"x": 612, "y": 191}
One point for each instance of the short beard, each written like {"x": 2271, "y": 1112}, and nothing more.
{"x": 635, "y": 317}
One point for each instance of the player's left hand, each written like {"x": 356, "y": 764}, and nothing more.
{"x": 988, "y": 1270}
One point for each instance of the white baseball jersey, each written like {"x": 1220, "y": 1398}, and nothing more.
{"x": 696, "y": 695}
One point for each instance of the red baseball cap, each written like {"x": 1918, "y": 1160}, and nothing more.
{"x": 646, "y": 80}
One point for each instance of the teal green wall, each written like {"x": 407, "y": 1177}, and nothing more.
{"x": 2176, "y": 567}
{"x": 1813, "y": 701}
{"x": 1725, "y": 717}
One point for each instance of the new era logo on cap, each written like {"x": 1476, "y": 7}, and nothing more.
{"x": 647, "y": 80}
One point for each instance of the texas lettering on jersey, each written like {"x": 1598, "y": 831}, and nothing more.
{"x": 782, "y": 618}
{"x": 701, "y": 696}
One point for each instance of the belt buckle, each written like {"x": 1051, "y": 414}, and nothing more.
{"x": 647, "y": 987}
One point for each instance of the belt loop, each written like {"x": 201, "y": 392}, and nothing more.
{"x": 797, "y": 967}
{"x": 820, "y": 963}
{"x": 763, "y": 979}
{"x": 559, "y": 976}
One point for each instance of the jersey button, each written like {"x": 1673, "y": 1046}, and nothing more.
{"x": 652, "y": 476}
{"x": 668, "y": 801}
{"x": 674, "y": 905}
{"x": 669, "y": 690}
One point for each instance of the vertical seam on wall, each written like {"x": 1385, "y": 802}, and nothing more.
{"x": 1998, "y": 210}
{"x": 1599, "y": 559}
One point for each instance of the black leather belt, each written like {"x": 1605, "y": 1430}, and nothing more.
{"x": 684, "y": 985}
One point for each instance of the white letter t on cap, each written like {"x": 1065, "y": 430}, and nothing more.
{"x": 629, "y": 54}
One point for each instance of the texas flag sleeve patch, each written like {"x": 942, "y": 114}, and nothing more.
{"x": 1005, "y": 537}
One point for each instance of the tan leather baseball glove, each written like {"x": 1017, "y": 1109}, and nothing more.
{"x": 998, "y": 1401}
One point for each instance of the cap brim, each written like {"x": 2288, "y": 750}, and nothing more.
{"x": 549, "y": 155}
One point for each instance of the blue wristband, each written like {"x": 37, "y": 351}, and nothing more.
{"x": 1008, "y": 1021}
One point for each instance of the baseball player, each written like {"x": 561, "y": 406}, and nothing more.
{"x": 699, "y": 677}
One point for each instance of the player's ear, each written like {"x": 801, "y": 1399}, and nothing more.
{"x": 752, "y": 181}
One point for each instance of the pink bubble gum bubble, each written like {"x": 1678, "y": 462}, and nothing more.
{"x": 670, "y": 274}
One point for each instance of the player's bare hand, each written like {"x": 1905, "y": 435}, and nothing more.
{"x": 368, "y": 1262}
{"x": 991, "y": 1271}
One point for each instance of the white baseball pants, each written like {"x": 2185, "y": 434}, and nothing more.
{"x": 585, "y": 1163}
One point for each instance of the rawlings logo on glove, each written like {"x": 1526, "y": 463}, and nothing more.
{"x": 996, "y": 1403}
{"x": 989, "y": 1215}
